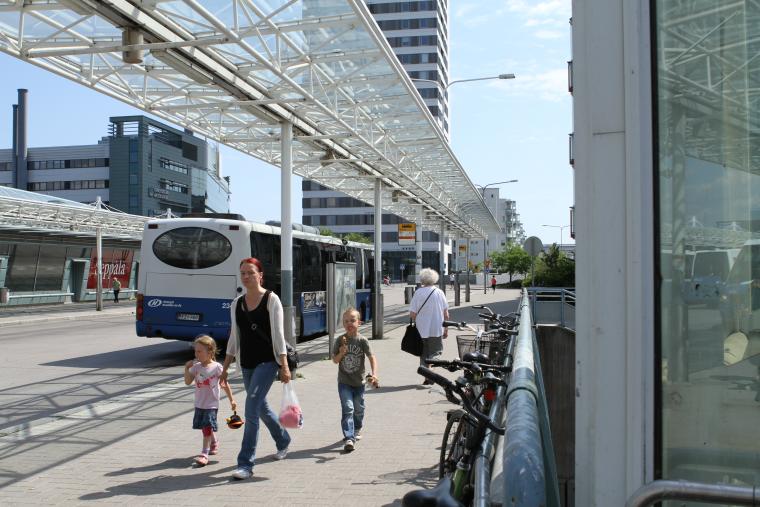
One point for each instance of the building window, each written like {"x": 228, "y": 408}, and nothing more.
{"x": 708, "y": 269}
{"x": 172, "y": 165}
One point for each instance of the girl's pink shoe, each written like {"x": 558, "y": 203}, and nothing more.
{"x": 214, "y": 448}
{"x": 201, "y": 460}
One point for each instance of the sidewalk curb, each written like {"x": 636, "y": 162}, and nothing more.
{"x": 33, "y": 319}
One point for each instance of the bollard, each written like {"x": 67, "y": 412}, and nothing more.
{"x": 409, "y": 293}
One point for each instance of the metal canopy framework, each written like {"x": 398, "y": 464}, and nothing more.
{"x": 22, "y": 211}
{"x": 234, "y": 70}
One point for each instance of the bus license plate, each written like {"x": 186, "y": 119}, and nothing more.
{"x": 189, "y": 316}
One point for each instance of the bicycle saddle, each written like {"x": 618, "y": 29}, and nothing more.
{"x": 476, "y": 357}
{"x": 439, "y": 496}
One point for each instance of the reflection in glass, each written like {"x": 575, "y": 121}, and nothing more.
{"x": 709, "y": 237}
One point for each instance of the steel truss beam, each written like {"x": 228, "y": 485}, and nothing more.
{"x": 233, "y": 71}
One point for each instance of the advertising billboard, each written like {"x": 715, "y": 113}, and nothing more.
{"x": 116, "y": 264}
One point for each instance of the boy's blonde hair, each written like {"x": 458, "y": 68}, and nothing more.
{"x": 350, "y": 310}
{"x": 207, "y": 342}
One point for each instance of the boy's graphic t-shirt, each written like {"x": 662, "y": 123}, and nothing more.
{"x": 206, "y": 384}
{"x": 351, "y": 367}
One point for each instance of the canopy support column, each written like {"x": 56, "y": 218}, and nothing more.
{"x": 418, "y": 244}
{"x": 99, "y": 267}
{"x": 442, "y": 257}
{"x": 377, "y": 296}
{"x": 286, "y": 231}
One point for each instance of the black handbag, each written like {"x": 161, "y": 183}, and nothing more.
{"x": 411, "y": 343}
{"x": 291, "y": 353}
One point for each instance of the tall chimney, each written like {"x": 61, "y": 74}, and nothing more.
{"x": 14, "y": 146}
{"x": 22, "y": 172}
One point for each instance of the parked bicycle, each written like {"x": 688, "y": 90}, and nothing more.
{"x": 465, "y": 430}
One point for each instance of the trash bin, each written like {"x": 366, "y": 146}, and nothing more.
{"x": 5, "y": 295}
{"x": 408, "y": 293}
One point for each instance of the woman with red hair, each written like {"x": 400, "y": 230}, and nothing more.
{"x": 257, "y": 344}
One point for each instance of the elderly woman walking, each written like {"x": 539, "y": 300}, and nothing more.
{"x": 429, "y": 309}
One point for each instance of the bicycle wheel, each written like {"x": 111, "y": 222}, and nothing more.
{"x": 452, "y": 446}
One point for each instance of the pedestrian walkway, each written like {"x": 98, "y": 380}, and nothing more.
{"x": 138, "y": 448}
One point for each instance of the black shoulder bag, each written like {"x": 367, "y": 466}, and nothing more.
{"x": 411, "y": 343}
{"x": 290, "y": 351}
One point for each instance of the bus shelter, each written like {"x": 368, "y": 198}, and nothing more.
{"x": 311, "y": 86}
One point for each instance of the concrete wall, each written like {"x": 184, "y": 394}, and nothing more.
{"x": 556, "y": 346}
{"x": 614, "y": 251}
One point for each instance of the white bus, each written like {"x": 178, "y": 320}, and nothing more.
{"x": 189, "y": 274}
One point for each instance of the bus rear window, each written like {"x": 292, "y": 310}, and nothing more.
{"x": 192, "y": 248}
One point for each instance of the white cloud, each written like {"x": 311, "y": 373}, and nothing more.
{"x": 464, "y": 9}
{"x": 547, "y": 17}
{"x": 547, "y": 8}
{"x": 550, "y": 85}
{"x": 548, "y": 34}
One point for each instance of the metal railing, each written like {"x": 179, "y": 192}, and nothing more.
{"x": 553, "y": 306}
{"x": 684, "y": 490}
{"x": 529, "y": 470}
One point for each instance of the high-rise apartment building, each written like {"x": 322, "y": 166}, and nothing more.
{"x": 418, "y": 32}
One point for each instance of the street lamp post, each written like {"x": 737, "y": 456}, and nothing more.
{"x": 485, "y": 248}
{"x": 445, "y": 88}
{"x": 561, "y": 228}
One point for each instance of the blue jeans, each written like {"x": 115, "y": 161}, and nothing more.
{"x": 257, "y": 383}
{"x": 352, "y": 409}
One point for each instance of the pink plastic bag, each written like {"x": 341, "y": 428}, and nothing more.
{"x": 291, "y": 415}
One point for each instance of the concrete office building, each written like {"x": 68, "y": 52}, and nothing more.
{"x": 418, "y": 33}
{"x": 666, "y": 156}
{"x": 511, "y": 229}
{"x": 143, "y": 167}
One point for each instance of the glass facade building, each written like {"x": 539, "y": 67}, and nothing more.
{"x": 707, "y": 170}
{"x": 667, "y": 224}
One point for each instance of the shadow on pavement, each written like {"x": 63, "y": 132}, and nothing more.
{"x": 173, "y": 463}
{"x": 159, "y": 355}
{"x": 330, "y": 452}
{"x": 168, "y": 483}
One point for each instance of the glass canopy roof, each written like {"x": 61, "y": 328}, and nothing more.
{"x": 233, "y": 70}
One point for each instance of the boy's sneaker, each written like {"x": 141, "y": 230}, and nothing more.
{"x": 358, "y": 434}
{"x": 241, "y": 474}
{"x": 281, "y": 454}
{"x": 349, "y": 446}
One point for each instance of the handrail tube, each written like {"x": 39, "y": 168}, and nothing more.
{"x": 685, "y": 490}
{"x": 524, "y": 481}
{"x": 482, "y": 461}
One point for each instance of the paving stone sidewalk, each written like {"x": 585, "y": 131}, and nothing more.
{"x": 138, "y": 448}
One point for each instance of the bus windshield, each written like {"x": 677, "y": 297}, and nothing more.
{"x": 192, "y": 248}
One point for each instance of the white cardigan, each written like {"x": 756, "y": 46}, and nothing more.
{"x": 274, "y": 307}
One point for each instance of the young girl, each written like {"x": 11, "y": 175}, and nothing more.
{"x": 206, "y": 372}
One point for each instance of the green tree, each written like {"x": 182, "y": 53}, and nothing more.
{"x": 324, "y": 231}
{"x": 517, "y": 261}
{"x": 553, "y": 269}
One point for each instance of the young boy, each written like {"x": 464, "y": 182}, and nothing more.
{"x": 348, "y": 352}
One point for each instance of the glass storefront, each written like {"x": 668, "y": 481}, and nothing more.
{"x": 707, "y": 168}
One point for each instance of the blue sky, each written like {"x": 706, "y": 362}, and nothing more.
{"x": 501, "y": 130}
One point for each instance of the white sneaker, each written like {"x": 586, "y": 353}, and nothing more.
{"x": 358, "y": 435}
{"x": 281, "y": 454}
{"x": 241, "y": 473}
{"x": 349, "y": 446}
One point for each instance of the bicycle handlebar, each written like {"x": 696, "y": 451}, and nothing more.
{"x": 456, "y": 364}
{"x": 463, "y": 400}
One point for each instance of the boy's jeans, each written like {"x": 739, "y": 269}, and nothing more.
{"x": 257, "y": 383}
{"x": 352, "y": 408}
